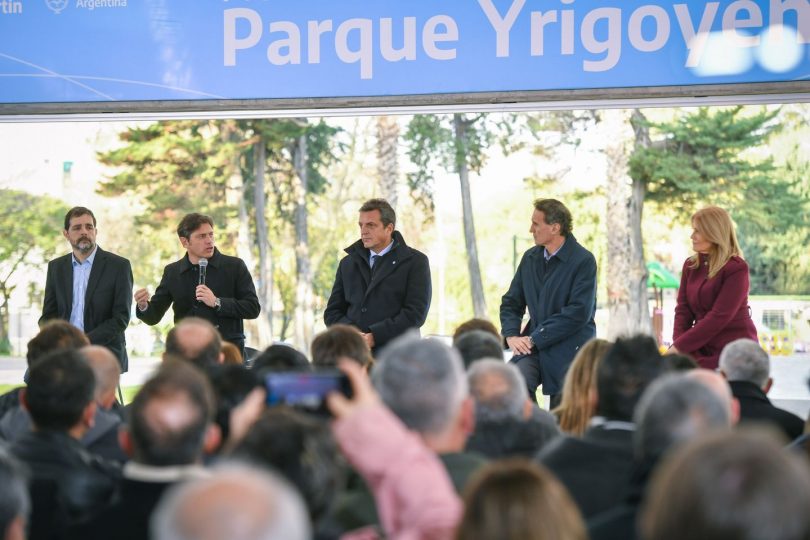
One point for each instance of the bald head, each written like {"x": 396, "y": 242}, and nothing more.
{"x": 236, "y": 502}
{"x": 107, "y": 371}
{"x": 719, "y": 386}
{"x": 195, "y": 340}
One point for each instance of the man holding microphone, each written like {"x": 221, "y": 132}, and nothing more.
{"x": 204, "y": 283}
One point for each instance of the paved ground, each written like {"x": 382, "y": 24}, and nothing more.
{"x": 790, "y": 373}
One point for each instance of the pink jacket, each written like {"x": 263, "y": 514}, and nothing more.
{"x": 414, "y": 495}
{"x": 712, "y": 312}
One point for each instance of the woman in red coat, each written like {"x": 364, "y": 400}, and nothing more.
{"x": 712, "y": 305}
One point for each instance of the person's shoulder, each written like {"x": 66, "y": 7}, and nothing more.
{"x": 114, "y": 257}
{"x": 60, "y": 259}
{"x": 735, "y": 263}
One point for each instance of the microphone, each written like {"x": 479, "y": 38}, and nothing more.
{"x": 203, "y": 268}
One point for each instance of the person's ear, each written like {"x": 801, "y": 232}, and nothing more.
{"x": 768, "y": 385}
{"x": 184, "y": 242}
{"x": 23, "y": 396}
{"x": 89, "y": 415}
{"x": 467, "y": 415}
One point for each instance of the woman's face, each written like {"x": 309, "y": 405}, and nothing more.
{"x": 699, "y": 243}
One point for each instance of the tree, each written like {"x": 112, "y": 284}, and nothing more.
{"x": 720, "y": 156}
{"x": 458, "y": 144}
{"x": 31, "y": 225}
{"x": 388, "y": 157}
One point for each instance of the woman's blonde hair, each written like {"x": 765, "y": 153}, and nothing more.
{"x": 516, "y": 499}
{"x": 576, "y": 409}
{"x": 715, "y": 225}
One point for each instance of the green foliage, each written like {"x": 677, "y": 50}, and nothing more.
{"x": 720, "y": 156}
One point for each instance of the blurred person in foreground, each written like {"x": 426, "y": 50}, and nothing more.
{"x": 578, "y": 401}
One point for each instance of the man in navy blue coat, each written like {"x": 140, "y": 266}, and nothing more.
{"x": 556, "y": 281}
{"x": 382, "y": 286}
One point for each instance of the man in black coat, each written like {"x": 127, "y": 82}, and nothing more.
{"x": 382, "y": 286}
{"x": 746, "y": 367}
{"x": 556, "y": 282}
{"x": 91, "y": 288}
{"x": 220, "y": 290}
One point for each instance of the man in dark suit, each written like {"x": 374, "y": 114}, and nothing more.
{"x": 91, "y": 288}
{"x": 382, "y": 286}
{"x": 747, "y": 368}
{"x": 221, "y": 290}
{"x": 596, "y": 469}
{"x": 556, "y": 282}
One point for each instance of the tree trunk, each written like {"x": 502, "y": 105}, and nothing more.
{"x": 461, "y": 126}
{"x": 265, "y": 268}
{"x": 303, "y": 286}
{"x": 5, "y": 341}
{"x": 388, "y": 158}
{"x": 626, "y": 270}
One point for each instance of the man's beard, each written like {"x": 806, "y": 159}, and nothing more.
{"x": 84, "y": 245}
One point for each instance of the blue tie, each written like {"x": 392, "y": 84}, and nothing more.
{"x": 374, "y": 262}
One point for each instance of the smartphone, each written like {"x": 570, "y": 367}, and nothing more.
{"x": 305, "y": 390}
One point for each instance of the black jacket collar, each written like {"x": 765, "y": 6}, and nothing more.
{"x": 213, "y": 261}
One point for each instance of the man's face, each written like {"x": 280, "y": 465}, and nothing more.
{"x": 81, "y": 234}
{"x": 372, "y": 232}
{"x": 542, "y": 232}
{"x": 200, "y": 244}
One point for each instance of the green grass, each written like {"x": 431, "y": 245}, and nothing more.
{"x": 128, "y": 391}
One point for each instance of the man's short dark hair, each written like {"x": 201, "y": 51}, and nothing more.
{"x": 280, "y": 357}
{"x": 476, "y": 324}
{"x": 302, "y": 449}
{"x": 78, "y": 211}
{"x": 477, "y": 344}
{"x": 192, "y": 222}
{"x": 176, "y": 384}
{"x": 336, "y": 341}
{"x": 60, "y": 385}
{"x": 53, "y": 335}
{"x": 202, "y": 355}
{"x": 14, "y": 499}
{"x": 555, "y": 212}
{"x": 387, "y": 214}
{"x": 623, "y": 375}
{"x": 231, "y": 384}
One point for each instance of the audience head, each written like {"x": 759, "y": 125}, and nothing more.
{"x": 738, "y": 484}
{"x": 516, "y": 499}
{"x": 623, "y": 375}
{"x": 422, "y": 381}
{"x": 477, "y": 344}
{"x": 231, "y": 354}
{"x": 744, "y": 360}
{"x": 301, "y": 449}
{"x": 195, "y": 340}
{"x": 231, "y": 384}
{"x": 15, "y": 503}
{"x": 674, "y": 362}
{"x": 236, "y": 502}
{"x": 61, "y": 391}
{"x": 717, "y": 384}
{"x": 578, "y": 400}
{"x": 476, "y": 324}
{"x": 107, "y": 370}
{"x": 340, "y": 340}
{"x": 53, "y": 335}
{"x": 673, "y": 410}
{"x": 280, "y": 357}
{"x": 498, "y": 390}
{"x": 170, "y": 418}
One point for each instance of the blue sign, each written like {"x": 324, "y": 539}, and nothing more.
{"x": 66, "y": 51}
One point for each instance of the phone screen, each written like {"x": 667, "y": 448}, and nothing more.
{"x": 306, "y": 391}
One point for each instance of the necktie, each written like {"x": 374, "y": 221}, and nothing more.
{"x": 374, "y": 259}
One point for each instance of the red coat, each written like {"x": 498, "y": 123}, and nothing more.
{"x": 712, "y": 312}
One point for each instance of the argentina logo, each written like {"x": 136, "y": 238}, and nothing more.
{"x": 56, "y": 5}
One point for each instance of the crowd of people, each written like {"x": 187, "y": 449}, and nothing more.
{"x": 422, "y": 439}
{"x": 434, "y": 441}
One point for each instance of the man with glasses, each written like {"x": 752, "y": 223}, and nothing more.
{"x": 89, "y": 287}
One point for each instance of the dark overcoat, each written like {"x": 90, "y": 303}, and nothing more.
{"x": 561, "y": 298}
{"x": 394, "y": 300}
